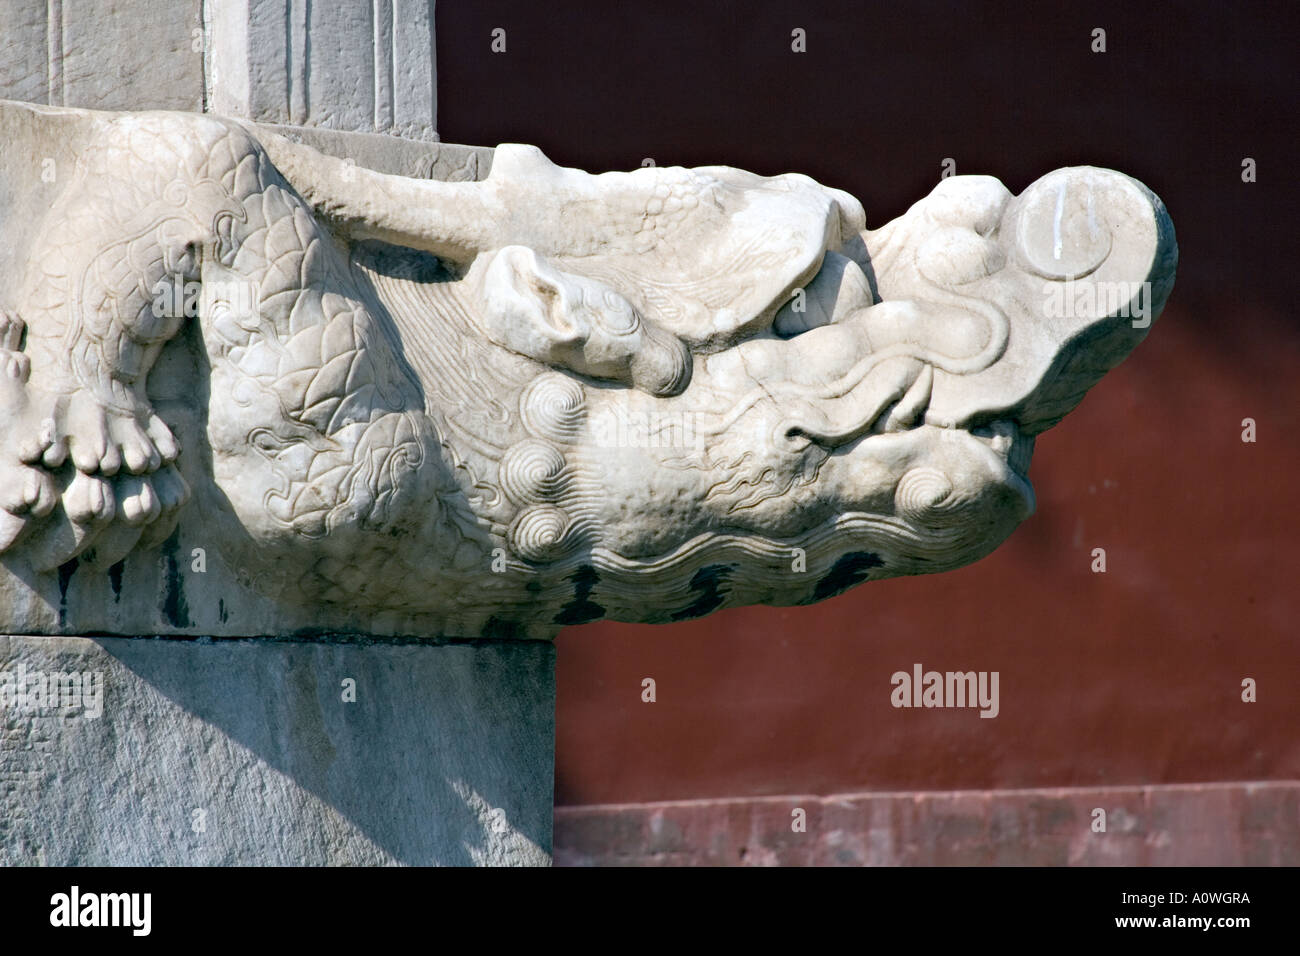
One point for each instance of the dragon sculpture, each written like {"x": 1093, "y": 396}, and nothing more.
{"x": 548, "y": 396}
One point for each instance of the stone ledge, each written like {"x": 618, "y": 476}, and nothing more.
{"x": 1209, "y": 824}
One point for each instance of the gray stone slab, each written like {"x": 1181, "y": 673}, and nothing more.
{"x": 241, "y": 752}
{"x": 103, "y": 54}
{"x": 367, "y": 67}
{"x": 343, "y": 66}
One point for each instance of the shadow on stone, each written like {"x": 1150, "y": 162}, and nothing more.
{"x": 246, "y": 752}
{"x": 442, "y": 747}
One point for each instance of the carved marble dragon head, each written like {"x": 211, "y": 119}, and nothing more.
{"x": 547, "y": 397}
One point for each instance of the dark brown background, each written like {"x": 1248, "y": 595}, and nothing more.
{"x": 1132, "y": 676}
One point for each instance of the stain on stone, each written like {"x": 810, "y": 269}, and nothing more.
{"x": 221, "y": 610}
{"x": 115, "y": 579}
{"x": 66, "y": 570}
{"x": 850, "y": 569}
{"x": 709, "y": 582}
{"x": 503, "y": 630}
{"x": 172, "y": 600}
{"x": 581, "y": 610}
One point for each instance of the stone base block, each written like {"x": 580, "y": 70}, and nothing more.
{"x": 121, "y": 751}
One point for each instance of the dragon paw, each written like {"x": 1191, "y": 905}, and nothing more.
{"x": 121, "y": 485}
{"x": 98, "y": 438}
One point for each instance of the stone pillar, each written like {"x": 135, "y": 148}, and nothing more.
{"x": 103, "y": 54}
{"x": 360, "y": 67}
{"x": 366, "y": 67}
{"x": 227, "y": 740}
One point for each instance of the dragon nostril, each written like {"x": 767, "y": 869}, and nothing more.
{"x": 797, "y": 439}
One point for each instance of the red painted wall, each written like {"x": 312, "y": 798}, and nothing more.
{"x": 1128, "y": 677}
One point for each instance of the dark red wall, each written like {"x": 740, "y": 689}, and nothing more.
{"x": 1132, "y": 676}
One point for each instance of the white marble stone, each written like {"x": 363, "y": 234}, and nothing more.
{"x": 354, "y": 66}
{"x": 505, "y": 404}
